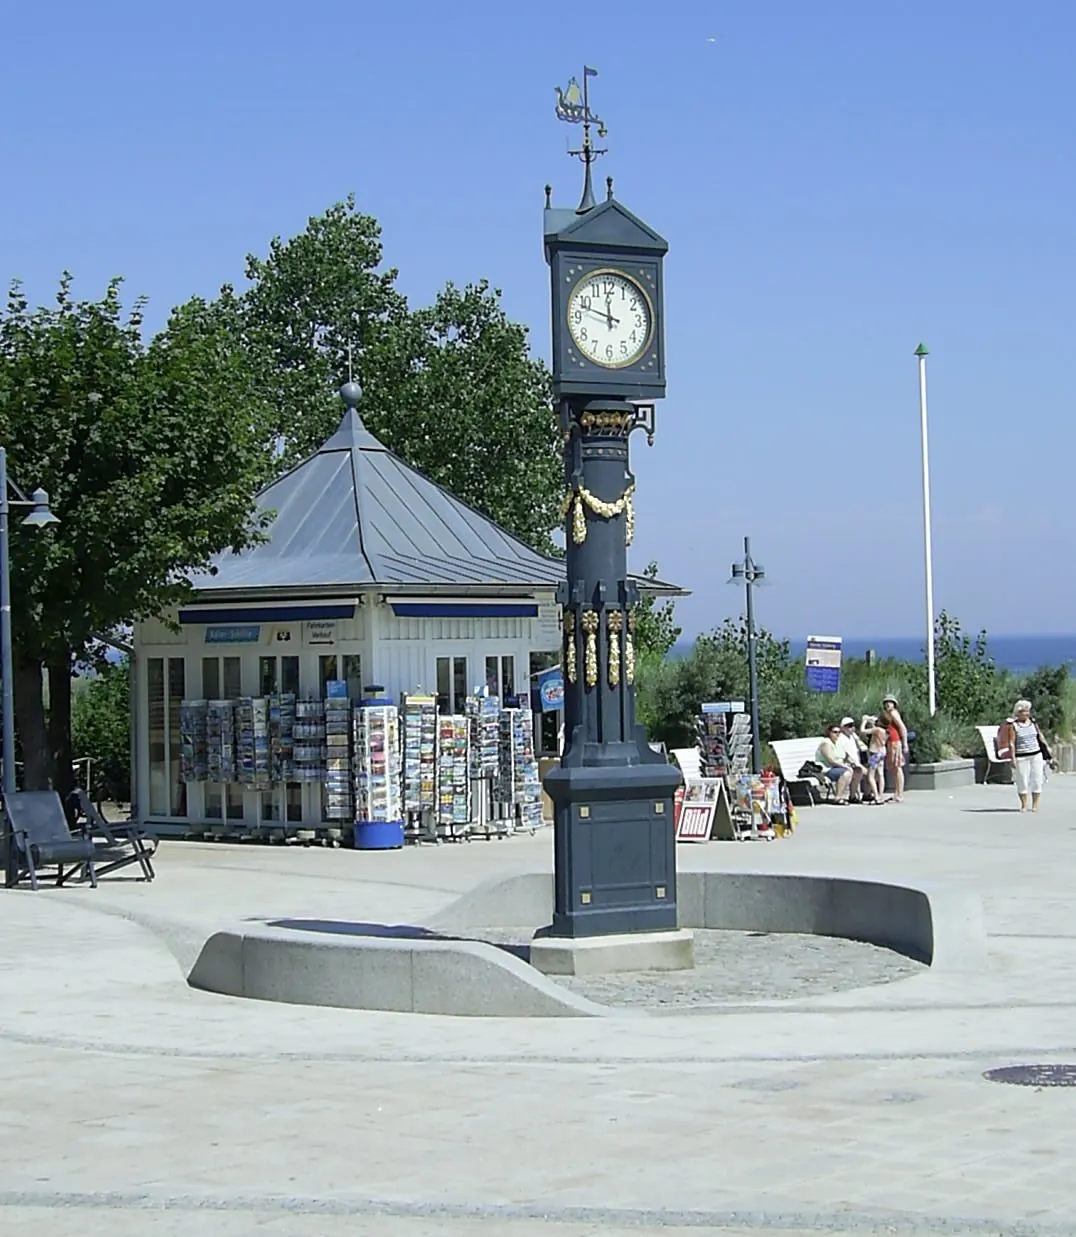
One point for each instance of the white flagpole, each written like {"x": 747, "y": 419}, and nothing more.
{"x": 921, "y": 353}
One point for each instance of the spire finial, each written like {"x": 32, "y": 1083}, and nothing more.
{"x": 549, "y": 197}
{"x": 608, "y": 188}
{"x": 351, "y": 392}
{"x": 573, "y": 106}
{"x": 350, "y": 375}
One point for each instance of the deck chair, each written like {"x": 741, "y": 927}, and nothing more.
{"x": 42, "y": 839}
{"x": 117, "y": 844}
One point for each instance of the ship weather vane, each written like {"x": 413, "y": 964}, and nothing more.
{"x": 573, "y": 106}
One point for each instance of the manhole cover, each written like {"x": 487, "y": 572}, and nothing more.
{"x": 1034, "y": 1075}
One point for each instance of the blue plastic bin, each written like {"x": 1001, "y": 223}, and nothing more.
{"x": 379, "y": 835}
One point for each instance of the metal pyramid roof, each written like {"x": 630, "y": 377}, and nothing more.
{"x": 355, "y": 515}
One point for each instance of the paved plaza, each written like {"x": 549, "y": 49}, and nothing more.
{"x": 133, "y": 1104}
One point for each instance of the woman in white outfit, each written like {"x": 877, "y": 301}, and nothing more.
{"x": 1021, "y": 741}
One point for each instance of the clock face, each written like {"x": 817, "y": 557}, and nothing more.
{"x": 610, "y": 319}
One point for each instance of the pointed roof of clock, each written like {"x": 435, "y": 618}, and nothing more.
{"x": 610, "y": 223}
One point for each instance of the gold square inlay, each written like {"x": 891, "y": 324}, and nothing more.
{"x": 660, "y": 891}
{"x": 585, "y": 899}
{"x": 584, "y": 811}
{"x": 659, "y": 809}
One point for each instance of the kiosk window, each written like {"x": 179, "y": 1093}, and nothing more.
{"x": 501, "y": 676}
{"x": 451, "y": 684}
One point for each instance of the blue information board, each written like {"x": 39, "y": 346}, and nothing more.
{"x": 823, "y": 663}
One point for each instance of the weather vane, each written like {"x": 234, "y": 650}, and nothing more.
{"x": 573, "y": 106}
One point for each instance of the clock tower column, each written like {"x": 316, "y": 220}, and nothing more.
{"x": 614, "y": 835}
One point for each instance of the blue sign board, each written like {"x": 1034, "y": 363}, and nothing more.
{"x": 336, "y": 689}
{"x": 233, "y": 635}
{"x": 551, "y": 690}
{"x": 724, "y": 706}
{"x": 823, "y": 663}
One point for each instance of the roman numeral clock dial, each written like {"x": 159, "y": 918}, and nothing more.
{"x": 610, "y": 319}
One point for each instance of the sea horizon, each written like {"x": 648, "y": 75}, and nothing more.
{"x": 1018, "y": 654}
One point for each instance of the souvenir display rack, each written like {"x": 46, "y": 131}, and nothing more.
{"x": 484, "y": 713}
{"x": 713, "y": 744}
{"x": 519, "y": 789}
{"x": 377, "y": 764}
{"x": 739, "y": 745}
{"x": 193, "y": 749}
{"x": 309, "y": 742}
{"x": 252, "y": 741}
{"x": 337, "y": 802}
{"x": 220, "y": 741}
{"x": 420, "y": 766}
{"x": 282, "y": 738}
{"x": 758, "y": 807}
{"x": 453, "y": 776}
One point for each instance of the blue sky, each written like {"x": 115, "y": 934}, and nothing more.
{"x": 837, "y": 180}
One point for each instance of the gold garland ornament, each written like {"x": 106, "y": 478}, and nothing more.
{"x": 629, "y": 650}
{"x": 575, "y": 501}
{"x": 589, "y": 623}
{"x": 570, "y": 666}
{"x": 615, "y": 623}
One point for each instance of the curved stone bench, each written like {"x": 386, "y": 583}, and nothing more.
{"x": 408, "y": 974}
{"x": 429, "y": 970}
{"x": 941, "y": 926}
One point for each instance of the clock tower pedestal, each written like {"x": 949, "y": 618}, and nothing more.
{"x": 614, "y": 836}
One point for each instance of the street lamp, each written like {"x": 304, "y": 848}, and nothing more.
{"x": 751, "y": 573}
{"x": 38, "y": 517}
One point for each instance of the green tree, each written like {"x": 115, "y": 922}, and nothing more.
{"x": 670, "y": 692}
{"x": 656, "y": 631}
{"x": 969, "y": 687}
{"x": 101, "y": 731}
{"x": 1046, "y": 688}
{"x": 314, "y": 302}
{"x": 451, "y": 388}
{"x": 151, "y": 456}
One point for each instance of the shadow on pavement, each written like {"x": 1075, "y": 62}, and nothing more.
{"x": 398, "y": 931}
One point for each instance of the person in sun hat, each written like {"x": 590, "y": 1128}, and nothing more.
{"x": 853, "y": 747}
{"x": 896, "y": 748}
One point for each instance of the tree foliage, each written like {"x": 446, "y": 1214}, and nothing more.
{"x": 153, "y": 452}
{"x": 101, "y": 731}
{"x": 151, "y": 457}
{"x": 451, "y": 387}
{"x": 656, "y": 631}
{"x": 972, "y": 690}
{"x": 966, "y": 679}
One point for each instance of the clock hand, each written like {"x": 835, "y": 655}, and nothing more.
{"x": 608, "y": 318}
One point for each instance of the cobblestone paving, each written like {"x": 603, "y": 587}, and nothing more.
{"x": 741, "y": 966}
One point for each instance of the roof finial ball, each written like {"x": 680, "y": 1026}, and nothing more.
{"x": 351, "y": 393}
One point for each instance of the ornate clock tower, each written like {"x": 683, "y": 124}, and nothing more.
{"x": 615, "y": 847}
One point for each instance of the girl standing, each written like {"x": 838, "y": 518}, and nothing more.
{"x": 896, "y": 749}
{"x": 876, "y": 744}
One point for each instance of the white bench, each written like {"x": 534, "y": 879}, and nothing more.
{"x": 791, "y": 754}
{"x": 688, "y": 760}
{"x": 989, "y": 734}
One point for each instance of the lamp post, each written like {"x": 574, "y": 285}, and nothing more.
{"x": 751, "y": 573}
{"x": 922, "y": 354}
{"x": 39, "y": 515}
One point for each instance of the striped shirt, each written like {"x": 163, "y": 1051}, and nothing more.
{"x": 1027, "y": 738}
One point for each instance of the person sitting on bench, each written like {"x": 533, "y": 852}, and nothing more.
{"x": 834, "y": 763}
